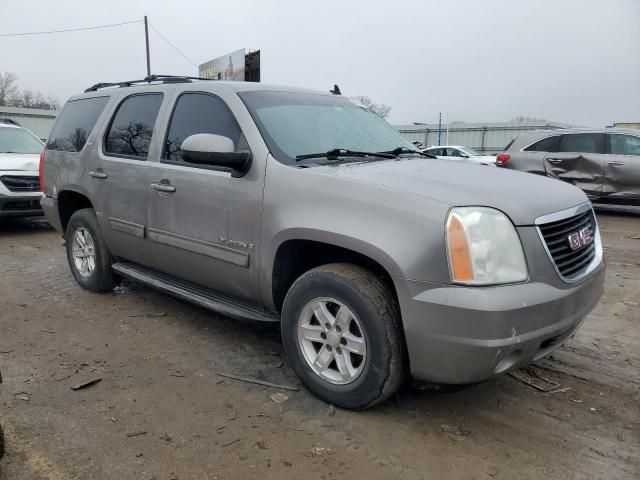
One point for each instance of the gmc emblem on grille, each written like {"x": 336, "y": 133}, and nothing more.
{"x": 580, "y": 238}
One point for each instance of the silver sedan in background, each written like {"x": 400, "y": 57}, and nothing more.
{"x": 604, "y": 163}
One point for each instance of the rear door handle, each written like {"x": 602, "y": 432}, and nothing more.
{"x": 163, "y": 186}
{"x": 99, "y": 174}
{"x": 615, "y": 162}
{"x": 555, "y": 161}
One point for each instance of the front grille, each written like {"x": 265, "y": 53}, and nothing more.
{"x": 17, "y": 183}
{"x": 571, "y": 264}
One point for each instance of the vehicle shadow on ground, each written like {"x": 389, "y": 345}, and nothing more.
{"x": 24, "y": 226}
{"x": 254, "y": 350}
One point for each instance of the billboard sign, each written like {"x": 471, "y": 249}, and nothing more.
{"x": 227, "y": 67}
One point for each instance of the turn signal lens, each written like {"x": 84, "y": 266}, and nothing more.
{"x": 459, "y": 254}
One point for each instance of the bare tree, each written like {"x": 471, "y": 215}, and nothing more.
{"x": 8, "y": 87}
{"x": 379, "y": 109}
{"x": 29, "y": 99}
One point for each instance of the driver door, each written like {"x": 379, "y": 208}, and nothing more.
{"x": 204, "y": 224}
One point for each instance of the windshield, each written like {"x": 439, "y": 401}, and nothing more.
{"x": 18, "y": 140}
{"x": 471, "y": 152}
{"x": 296, "y": 124}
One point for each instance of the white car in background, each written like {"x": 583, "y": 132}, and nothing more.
{"x": 457, "y": 152}
{"x": 19, "y": 176}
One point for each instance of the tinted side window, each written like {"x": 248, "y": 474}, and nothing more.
{"x": 582, "y": 142}
{"x": 132, "y": 126}
{"x": 75, "y": 123}
{"x": 199, "y": 113}
{"x": 549, "y": 144}
{"x": 624, "y": 144}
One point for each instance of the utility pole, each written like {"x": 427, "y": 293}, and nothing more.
{"x": 447, "y": 120}
{"x": 439, "y": 127}
{"x": 146, "y": 37}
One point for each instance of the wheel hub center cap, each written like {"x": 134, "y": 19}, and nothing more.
{"x": 333, "y": 339}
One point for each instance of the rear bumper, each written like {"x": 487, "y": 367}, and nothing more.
{"x": 20, "y": 206}
{"x": 50, "y": 209}
{"x": 463, "y": 335}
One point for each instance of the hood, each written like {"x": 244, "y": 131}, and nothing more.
{"x": 19, "y": 161}
{"x": 522, "y": 196}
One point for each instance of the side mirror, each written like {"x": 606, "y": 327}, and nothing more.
{"x": 217, "y": 151}
{"x": 464, "y": 155}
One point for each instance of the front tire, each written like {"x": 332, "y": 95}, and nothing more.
{"x": 341, "y": 332}
{"x": 87, "y": 253}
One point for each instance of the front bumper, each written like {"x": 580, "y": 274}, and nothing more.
{"x": 459, "y": 335}
{"x": 20, "y": 206}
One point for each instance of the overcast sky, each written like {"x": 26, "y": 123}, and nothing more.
{"x": 574, "y": 61}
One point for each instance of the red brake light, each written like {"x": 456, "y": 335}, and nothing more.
{"x": 502, "y": 158}
{"x": 41, "y": 170}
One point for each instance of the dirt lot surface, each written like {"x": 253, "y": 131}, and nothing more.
{"x": 162, "y": 412}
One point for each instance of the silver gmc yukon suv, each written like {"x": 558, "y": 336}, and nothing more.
{"x": 282, "y": 204}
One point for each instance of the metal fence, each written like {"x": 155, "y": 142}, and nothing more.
{"x": 489, "y": 137}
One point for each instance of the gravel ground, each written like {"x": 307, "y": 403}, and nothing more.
{"x": 162, "y": 412}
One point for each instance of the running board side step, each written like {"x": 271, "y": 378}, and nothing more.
{"x": 192, "y": 293}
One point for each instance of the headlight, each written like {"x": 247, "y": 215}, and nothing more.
{"x": 483, "y": 247}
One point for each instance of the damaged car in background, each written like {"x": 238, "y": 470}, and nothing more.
{"x": 604, "y": 163}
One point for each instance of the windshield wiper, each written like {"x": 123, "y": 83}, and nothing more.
{"x": 400, "y": 150}
{"x": 343, "y": 152}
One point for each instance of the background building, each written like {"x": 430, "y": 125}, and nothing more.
{"x": 483, "y": 137}
{"x": 36, "y": 120}
{"x": 627, "y": 125}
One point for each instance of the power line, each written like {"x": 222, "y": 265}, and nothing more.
{"x": 173, "y": 46}
{"x": 68, "y": 30}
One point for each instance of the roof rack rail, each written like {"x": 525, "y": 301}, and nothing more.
{"x": 149, "y": 79}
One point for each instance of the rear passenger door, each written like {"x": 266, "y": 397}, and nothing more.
{"x": 622, "y": 169}
{"x": 123, "y": 178}
{"x": 579, "y": 160}
{"x": 205, "y": 224}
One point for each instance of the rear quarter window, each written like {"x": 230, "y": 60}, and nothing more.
{"x": 549, "y": 144}
{"x": 75, "y": 123}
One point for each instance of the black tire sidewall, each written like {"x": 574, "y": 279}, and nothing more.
{"x": 102, "y": 278}
{"x": 368, "y": 387}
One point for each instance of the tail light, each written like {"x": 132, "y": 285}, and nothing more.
{"x": 502, "y": 158}
{"x": 41, "y": 170}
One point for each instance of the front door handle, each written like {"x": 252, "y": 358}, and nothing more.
{"x": 163, "y": 186}
{"x": 615, "y": 162}
{"x": 98, "y": 173}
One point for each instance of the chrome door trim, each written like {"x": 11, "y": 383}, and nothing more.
{"x": 201, "y": 247}
{"x": 124, "y": 226}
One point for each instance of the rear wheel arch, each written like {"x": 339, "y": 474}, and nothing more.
{"x": 69, "y": 202}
